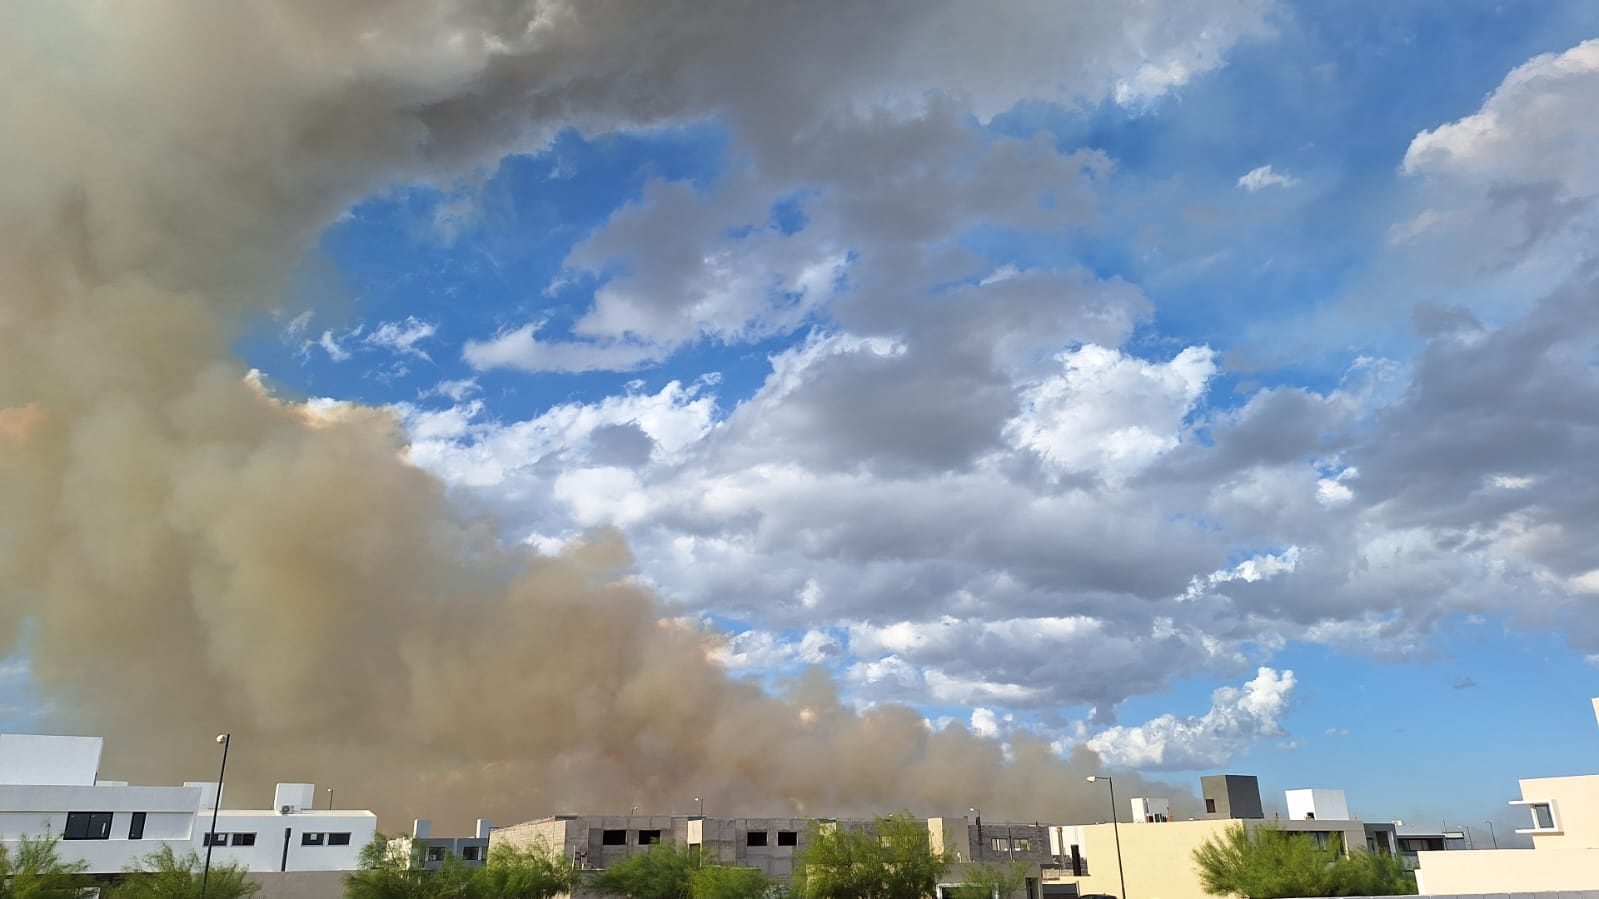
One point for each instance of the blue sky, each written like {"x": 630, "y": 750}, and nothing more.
{"x": 1203, "y": 387}
{"x": 1439, "y": 724}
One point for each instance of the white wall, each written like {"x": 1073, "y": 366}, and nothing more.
{"x": 38, "y": 810}
{"x": 1323, "y": 805}
{"x": 269, "y": 828}
{"x": 49, "y": 760}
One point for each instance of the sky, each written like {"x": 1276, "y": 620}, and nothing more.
{"x": 1220, "y": 398}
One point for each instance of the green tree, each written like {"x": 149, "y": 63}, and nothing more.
{"x": 165, "y": 874}
{"x": 662, "y": 872}
{"x": 986, "y": 881}
{"x": 1270, "y": 863}
{"x": 894, "y": 861}
{"x": 724, "y": 882}
{"x": 532, "y": 873}
{"x": 385, "y": 872}
{"x": 1370, "y": 874}
{"x": 34, "y": 870}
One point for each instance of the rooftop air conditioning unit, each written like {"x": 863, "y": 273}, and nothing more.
{"x": 287, "y": 809}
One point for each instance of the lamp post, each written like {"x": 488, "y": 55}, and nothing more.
{"x": 1491, "y": 835}
{"x": 330, "y": 798}
{"x": 978, "y": 854}
{"x": 211, "y": 836}
{"x": 701, "y": 803}
{"x": 1121, "y": 875}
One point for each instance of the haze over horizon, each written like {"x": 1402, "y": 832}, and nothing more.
{"x": 811, "y": 406}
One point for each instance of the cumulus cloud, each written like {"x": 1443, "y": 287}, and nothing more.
{"x": 1263, "y": 177}
{"x": 1237, "y": 718}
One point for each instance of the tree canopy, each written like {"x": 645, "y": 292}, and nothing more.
{"x": 1000, "y": 880}
{"x": 1268, "y": 862}
{"x": 661, "y": 872}
{"x": 895, "y": 860}
{"x": 34, "y": 870}
{"x": 165, "y": 874}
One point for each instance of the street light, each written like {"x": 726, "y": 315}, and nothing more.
{"x": 701, "y": 803}
{"x": 1121, "y": 875}
{"x": 1491, "y": 835}
{"x": 211, "y": 837}
{"x": 330, "y": 799}
{"x": 979, "y": 852}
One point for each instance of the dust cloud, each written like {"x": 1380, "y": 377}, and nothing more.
{"x": 182, "y": 552}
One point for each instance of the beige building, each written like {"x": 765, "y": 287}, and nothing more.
{"x": 1563, "y": 821}
{"x": 770, "y": 845}
{"x": 1157, "y": 853}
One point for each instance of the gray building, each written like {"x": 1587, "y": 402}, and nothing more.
{"x": 1231, "y": 796}
{"x": 473, "y": 850}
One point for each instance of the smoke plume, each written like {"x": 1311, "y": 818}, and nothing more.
{"x": 183, "y": 552}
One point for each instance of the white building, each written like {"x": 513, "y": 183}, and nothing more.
{"x": 1317, "y": 805}
{"x": 50, "y": 786}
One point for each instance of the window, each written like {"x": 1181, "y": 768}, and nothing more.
{"x": 334, "y": 839}
{"x": 1543, "y": 816}
{"x": 755, "y": 838}
{"x": 788, "y": 838}
{"x": 471, "y": 853}
{"x": 1319, "y": 838}
{"x": 1210, "y": 806}
{"x": 649, "y": 837}
{"x": 1021, "y": 844}
{"x": 613, "y": 838}
{"x": 243, "y": 839}
{"x": 215, "y": 839}
{"x": 136, "y": 826}
{"x": 435, "y": 853}
{"x": 313, "y": 839}
{"x": 88, "y": 826}
{"x": 999, "y": 844}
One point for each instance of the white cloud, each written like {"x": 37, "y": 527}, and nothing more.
{"x": 1265, "y": 176}
{"x": 1238, "y": 718}
{"x": 455, "y": 390}
{"x": 1535, "y": 122}
{"x": 330, "y": 345}
{"x": 403, "y": 337}
{"x": 1109, "y": 413}
{"x": 521, "y": 349}
{"x": 296, "y": 326}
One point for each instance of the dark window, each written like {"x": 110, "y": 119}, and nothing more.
{"x": 788, "y": 838}
{"x": 312, "y": 839}
{"x": 649, "y": 837}
{"x": 471, "y": 853}
{"x": 136, "y": 826}
{"x": 435, "y": 853}
{"x": 755, "y": 838}
{"x": 613, "y": 838}
{"x": 1210, "y": 806}
{"x": 88, "y": 826}
{"x": 338, "y": 839}
{"x": 215, "y": 839}
{"x": 243, "y": 839}
{"x": 1543, "y": 816}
